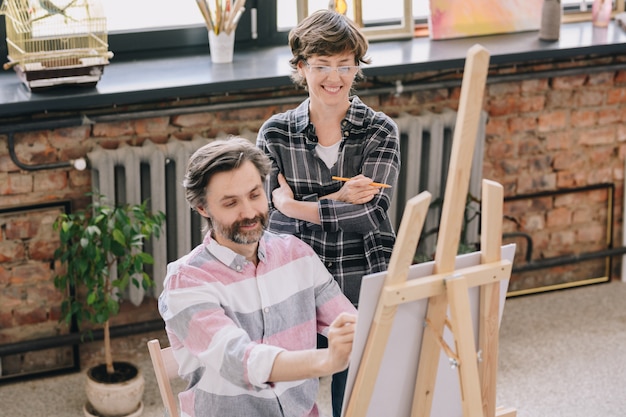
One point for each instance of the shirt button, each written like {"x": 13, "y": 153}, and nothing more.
{"x": 346, "y": 133}
{"x": 238, "y": 267}
{"x": 329, "y": 264}
{"x": 266, "y": 309}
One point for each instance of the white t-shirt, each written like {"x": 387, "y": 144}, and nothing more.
{"x": 328, "y": 154}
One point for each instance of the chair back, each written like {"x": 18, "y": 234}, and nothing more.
{"x": 165, "y": 369}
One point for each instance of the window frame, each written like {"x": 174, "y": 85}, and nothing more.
{"x": 404, "y": 30}
{"x": 174, "y": 40}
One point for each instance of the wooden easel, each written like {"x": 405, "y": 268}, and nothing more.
{"x": 447, "y": 288}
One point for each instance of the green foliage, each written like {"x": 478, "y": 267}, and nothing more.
{"x": 93, "y": 241}
{"x": 472, "y": 211}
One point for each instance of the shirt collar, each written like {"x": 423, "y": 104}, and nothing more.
{"x": 230, "y": 258}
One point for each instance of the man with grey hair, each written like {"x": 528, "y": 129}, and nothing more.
{"x": 243, "y": 308}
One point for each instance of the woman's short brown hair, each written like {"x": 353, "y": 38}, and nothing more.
{"x": 326, "y": 33}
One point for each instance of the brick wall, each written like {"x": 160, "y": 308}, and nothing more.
{"x": 544, "y": 133}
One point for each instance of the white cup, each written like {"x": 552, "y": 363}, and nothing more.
{"x": 221, "y": 47}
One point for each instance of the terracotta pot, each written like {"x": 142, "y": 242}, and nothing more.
{"x": 114, "y": 395}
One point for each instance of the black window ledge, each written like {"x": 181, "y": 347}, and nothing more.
{"x": 186, "y": 75}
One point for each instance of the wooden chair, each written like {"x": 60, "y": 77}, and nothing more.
{"x": 166, "y": 369}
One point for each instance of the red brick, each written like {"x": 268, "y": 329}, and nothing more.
{"x": 532, "y": 104}
{"x": 558, "y": 99}
{"x": 42, "y": 249}
{"x": 533, "y": 222}
{"x": 598, "y": 136}
{"x": 556, "y": 141}
{"x": 12, "y": 251}
{"x": 582, "y": 215}
{"x": 616, "y": 96}
{"x": 34, "y": 148}
{"x": 501, "y": 106}
{"x": 7, "y": 165}
{"x": 31, "y": 272}
{"x": 497, "y": 127}
{"x": 601, "y": 175}
{"x": 535, "y": 85}
{"x": 522, "y": 124}
{"x": 196, "y": 119}
{"x": 50, "y": 181}
{"x": 601, "y": 78}
{"x": 620, "y": 77}
{"x": 552, "y": 120}
{"x": 569, "y": 179}
{"x": 611, "y": 115}
{"x": 568, "y": 82}
{"x": 501, "y": 149}
{"x": 28, "y": 315}
{"x": 584, "y": 118}
{"x": 67, "y": 138}
{"x": 113, "y": 130}
{"x": 568, "y": 161}
{"x": 79, "y": 179}
{"x": 21, "y": 227}
{"x": 562, "y": 239}
{"x": 528, "y": 145}
{"x": 156, "y": 125}
{"x": 591, "y": 233}
{"x": 533, "y": 183}
{"x": 503, "y": 88}
{"x": 588, "y": 98}
{"x": 559, "y": 217}
{"x": 4, "y": 277}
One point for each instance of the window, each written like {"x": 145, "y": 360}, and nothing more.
{"x": 158, "y": 25}
{"x": 163, "y": 24}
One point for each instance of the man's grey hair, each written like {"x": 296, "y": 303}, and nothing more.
{"x": 221, "y": 155}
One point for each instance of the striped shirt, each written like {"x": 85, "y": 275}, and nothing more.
{"x": 353, "y": 239}
{"x": 227, "y": 319}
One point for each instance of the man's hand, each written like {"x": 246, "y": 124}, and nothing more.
{"x": 340, "y": 338}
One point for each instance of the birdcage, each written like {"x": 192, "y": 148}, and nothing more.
{"x": 53, "y": 42}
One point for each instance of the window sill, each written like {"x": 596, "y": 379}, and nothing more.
{"x": 193, "y": 74}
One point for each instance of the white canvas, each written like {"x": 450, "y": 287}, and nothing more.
{"x": 393, "y": 391}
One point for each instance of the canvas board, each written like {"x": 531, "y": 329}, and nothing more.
{"x": 463, "y": 18}
{"x": 393, "y": 390}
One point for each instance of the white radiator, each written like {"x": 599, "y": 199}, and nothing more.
{"x": 425, "y": 146}
{"x": 132, "y": 174}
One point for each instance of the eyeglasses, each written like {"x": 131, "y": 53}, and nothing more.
{"x": 325, "y": 69}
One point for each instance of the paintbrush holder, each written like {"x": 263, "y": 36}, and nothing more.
{"x": 221, "y": 47}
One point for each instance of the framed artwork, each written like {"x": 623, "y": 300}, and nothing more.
{"x": 32, "y": 343}
{"x": 394, "y": 20}
{"x": 464, "y": 18}
{"x": 564, "y": 238}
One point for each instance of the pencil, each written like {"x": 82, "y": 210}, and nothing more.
{"x": 375, "y": 184}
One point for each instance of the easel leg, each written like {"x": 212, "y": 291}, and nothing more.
{"x": 427, "y": 368}
{"x": 461, "y": 318}
{"x": 489, "y": 316}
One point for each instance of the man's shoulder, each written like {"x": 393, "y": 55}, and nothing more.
{"x": 284, "y": 241}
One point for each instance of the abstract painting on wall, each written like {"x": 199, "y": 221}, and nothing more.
{"x": 463, "y": 18}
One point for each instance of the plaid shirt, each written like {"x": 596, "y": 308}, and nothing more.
{"x": 227, "y": 319}
{"x": 353, "y": 239}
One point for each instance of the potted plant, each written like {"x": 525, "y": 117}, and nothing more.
{"x": 100, "y": 254}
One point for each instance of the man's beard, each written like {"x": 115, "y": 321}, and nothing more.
{"x": 234, "y": 233}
